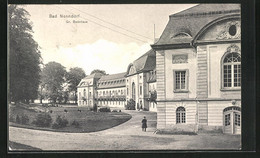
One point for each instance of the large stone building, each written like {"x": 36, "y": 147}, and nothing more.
{"x": 111, "y": 90}
{"x": 138, "y": 83}
{"x": 194, "y": 68}
{"x": 198, "y": 64}
{"x": 141, "y": 81}
{"x": 87, "y": 90}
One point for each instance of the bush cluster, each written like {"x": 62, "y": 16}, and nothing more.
{"x": 104, "y": 109}
{"x": 43, "y": 120}
{"x": 95, "y": 108}
{"x": 17, "y": 119}
{"x": 130, "y": 105}
{"x": 75, "y": 123}
{"x": 24, "y": 119}
{"x": 12, "y": 118}
{"x": 60, "y": 122}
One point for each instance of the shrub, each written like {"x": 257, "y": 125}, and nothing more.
{"x": 43, "y": 120}
{"x": 17, "y": 119}
{"x": 55, "y": 125}
{"x": 95, "y": 108}
{"x": 60, "y": 122}
{"x": 130, "y": 105}
{"x": 75, "y": 123}
{"x": 24, "y": 119}
{"x": 114, "y": 110}
{"x": 104, "y": 109}
{"x": 12, "y": 118}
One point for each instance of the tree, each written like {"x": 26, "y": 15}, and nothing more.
{"x": 98, "y": 71}
{"x": 24, "y": 57}
{"x": 153, "y": 96}
{"x": 73, "y": 78}
{"x": 52, "y": 79}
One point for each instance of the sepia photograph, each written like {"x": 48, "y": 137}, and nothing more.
{"x": 124, "y": 77}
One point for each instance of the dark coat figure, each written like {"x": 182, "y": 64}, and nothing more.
{"x": 144, "y": 124}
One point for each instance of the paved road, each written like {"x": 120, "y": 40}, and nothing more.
{"x": 127, "y": 136}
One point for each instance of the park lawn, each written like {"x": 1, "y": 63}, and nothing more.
{"x": 89, "y": 121}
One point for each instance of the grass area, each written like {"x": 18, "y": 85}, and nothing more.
{"x": 88, "y": 121}
{"x": 18, "y": 146}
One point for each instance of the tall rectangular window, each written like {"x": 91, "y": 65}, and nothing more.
{"x": 227, "y": 119}
{"x": 237, "y": 75}
{"x": 227, "y": 75}
{"x": 180, "y": 115}
{"x": 140, "y": 90}
{"x": 180, "y": 80}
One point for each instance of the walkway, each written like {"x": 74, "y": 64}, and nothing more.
{"x": 127, "y": 136}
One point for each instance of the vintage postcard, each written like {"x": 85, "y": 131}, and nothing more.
{"x": 122, "y": 77}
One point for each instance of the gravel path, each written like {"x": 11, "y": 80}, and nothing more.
{"x": 127, "y": 136}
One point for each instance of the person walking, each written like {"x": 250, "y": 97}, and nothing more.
{"x": 144, "y": 124}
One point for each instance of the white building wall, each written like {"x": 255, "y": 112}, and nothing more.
{"x": 190, "y": 110}
{"x": 215, "y": 54}
{"x": 215, "y": 111}
{"x": 117, "y": 104}
{"x": 190, "y": 66}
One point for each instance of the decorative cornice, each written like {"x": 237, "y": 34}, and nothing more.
{"x": 216, "y": 42}
{"x": 111, "y": 87}
{"x": 171, "y": 46}
{"x": 225, "y": 34}
{"x": 197, "y": 99}
{"x": 201, "y": 14}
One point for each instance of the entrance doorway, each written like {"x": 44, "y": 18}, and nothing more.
{"x": 232, "y": 120}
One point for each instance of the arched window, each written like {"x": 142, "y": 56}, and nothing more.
{"x": 232, "y": 70}
{"x": 180, "y": 115}
{"x": 133, "y": 91}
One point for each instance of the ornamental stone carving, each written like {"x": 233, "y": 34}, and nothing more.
{"x": 233, "y": 48}
{"x": 178, "y": 59}
{"x": 232, "y": 30}
{"x": 132, "y": 70}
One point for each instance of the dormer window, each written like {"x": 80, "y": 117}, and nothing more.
{"x": 181, "y": 35}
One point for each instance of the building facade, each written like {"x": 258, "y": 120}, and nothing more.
{"x": 111, "y": 91}
{"x": 198, "y": 65}
{"x": 141, "y": 81}
{"x": 87, "y": 90}
{"x": 138, "y": 83}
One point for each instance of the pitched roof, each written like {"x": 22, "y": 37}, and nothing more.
{"x": 90, "y": 79}
{"x": 146, "y": 62}
{"x": 207, "y": 8}
{"x": 112, "y": 81}
{"x": 95, "y": 75}
{"x": 192, "y": 20}
{"x": 112, "y": 76}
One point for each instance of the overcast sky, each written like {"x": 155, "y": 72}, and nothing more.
{"x": 109, "y": 37}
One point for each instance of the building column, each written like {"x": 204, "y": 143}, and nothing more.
{"x": 202, "y": 85}
{"x": 161, "y": 104}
